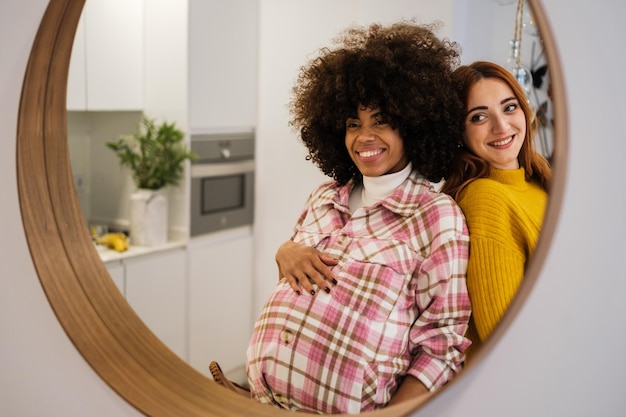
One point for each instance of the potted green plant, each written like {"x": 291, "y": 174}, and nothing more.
{"x": 155, "y": 154}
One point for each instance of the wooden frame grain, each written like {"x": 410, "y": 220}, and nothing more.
{"x": 95, "y": 316}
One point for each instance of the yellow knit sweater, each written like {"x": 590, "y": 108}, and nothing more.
{"x": 504, "y": 215}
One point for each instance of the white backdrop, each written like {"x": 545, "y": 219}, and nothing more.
{"x": 563, "y": 354}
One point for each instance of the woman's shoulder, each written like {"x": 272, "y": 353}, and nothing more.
{"x": 484, "y": 196}
{"x": 483, "y": 189}
{"x": 326, "y": 193}
{"x": 498, "y": 191}
{"x": 480, "y": 184}
{"x": 437, "y": 210}
{"x": 325, "y": 187}
{"x": 430, "y": 198}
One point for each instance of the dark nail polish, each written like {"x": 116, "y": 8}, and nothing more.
{"x": 312, "y": 292}
{"x": 327, "y": 290}
{"x": 334, "y": 281}
{"x": 298, "y": 292}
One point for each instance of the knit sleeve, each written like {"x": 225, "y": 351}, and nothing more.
{"x": 497, "y": 256}
{"x": 494, "y": 274}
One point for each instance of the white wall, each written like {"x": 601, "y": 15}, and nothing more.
{"x": 563, "y": 354}
{"x": 41, "y": 373}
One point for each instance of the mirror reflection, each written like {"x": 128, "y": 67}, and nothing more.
{"x": 185, "y": 289}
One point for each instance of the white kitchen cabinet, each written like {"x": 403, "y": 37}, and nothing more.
{"x": 77, "y": 77}
{"x": 223, "y": 44}
{"x": 107, "y": 62}
{"x": 220, "y": 302}
{"x": 117, "y": 272}
{"x": 156, "y": 289}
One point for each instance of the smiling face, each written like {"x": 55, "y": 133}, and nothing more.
{"x": 373, "y": 145}
{"x": 495, "y": 125}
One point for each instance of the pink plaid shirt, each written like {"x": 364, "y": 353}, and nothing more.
{"x": 400, "y": 307}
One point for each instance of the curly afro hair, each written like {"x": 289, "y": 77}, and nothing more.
{"x": 402, "y": 69}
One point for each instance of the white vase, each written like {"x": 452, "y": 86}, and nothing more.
{"x": 148, "y": 218}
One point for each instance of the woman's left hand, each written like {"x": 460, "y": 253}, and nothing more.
{"x": 302, "y": 266}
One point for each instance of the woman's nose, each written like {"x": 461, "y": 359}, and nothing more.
{"x": 499, "y": 124}
{"x": 366, "y": 134}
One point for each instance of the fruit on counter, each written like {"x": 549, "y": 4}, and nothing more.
{"x": 115, "y": 241}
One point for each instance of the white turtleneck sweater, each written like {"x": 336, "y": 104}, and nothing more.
{"x": 375, "y": 189}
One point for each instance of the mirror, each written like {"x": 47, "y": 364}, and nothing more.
{"x": 280, "y": 56}
{"x": 97, "y": 319}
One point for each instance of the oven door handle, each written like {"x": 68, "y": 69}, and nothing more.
{"x": 221, "y": 169}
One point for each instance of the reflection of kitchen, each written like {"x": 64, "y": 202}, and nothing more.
{"x": 181, "y": 288}
{"x": 198, "y": 292}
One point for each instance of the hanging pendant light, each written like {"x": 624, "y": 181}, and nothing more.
{"x": 529, "y": 25}
{"x": 521, "y": 73}
{"x": 514, "y": 62}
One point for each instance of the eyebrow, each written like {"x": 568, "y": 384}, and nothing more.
{"x": 485, "y": 107}
{"x": 373, "y": 116}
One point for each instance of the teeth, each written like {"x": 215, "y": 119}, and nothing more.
{"x": 368, "y": 154}
{"x": 502, "y": 142}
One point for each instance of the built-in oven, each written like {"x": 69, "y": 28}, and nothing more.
{"x": 222, "y": 181}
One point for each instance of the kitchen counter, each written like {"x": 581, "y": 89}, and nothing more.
{"x": 107, "y": 255}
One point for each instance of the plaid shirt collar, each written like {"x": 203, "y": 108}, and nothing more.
{"x": 403, "y": 201}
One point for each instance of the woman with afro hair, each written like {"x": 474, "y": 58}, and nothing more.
{"x": 382, "y": 317}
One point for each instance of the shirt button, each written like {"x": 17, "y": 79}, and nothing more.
{"x": 286, "y": 336}
{"x": 342, "y": 239}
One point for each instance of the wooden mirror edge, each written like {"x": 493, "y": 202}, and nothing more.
{"x": 93, "y": 313}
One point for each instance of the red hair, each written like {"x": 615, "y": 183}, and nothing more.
{"x": 467, "y": 166}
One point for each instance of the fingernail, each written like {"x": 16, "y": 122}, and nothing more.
{"x": 298, "y": 292}
{"x": 327, "y": 290}
{"x": 334, "y": 281}
{"x": 312, "y": 292}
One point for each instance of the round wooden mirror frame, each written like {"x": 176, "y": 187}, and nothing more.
{"x": 95, "y": 316}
